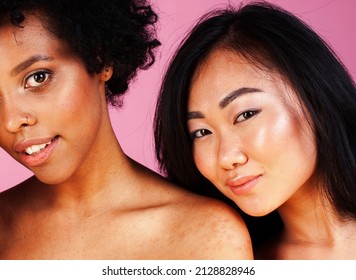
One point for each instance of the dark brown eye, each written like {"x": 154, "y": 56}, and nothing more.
{"x": 37, "y": 79}
{"x": 246, "y": 115}
{"x": 199, "y": 133}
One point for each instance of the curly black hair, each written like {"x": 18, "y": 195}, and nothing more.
{"x": 119, "y": 33}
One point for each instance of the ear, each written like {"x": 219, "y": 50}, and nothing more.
{"x": 106, "y": 73}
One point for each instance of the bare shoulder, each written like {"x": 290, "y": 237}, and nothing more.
{"x": 12, "y": 202}
{"x": 220, "y": 231}
{"x": 15, "y": 195}
{"x": 15, "y": 201}
{"x": 205, "y": 228}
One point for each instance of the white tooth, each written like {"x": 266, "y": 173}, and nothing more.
{"x": 42, "y": 146}
{"x": 29, "y": 150}
{"x": 35, "y": 148}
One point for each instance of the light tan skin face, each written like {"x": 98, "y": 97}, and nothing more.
{"x": 250, "y": 136}
{"x": 88, "y": 199}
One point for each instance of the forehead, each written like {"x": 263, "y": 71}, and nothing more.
{"x": 223, "y": 70}
{"x": 32, "y": 32}
{"x": 19, "y": 43}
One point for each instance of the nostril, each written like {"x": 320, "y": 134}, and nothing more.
{"x": 14, "y": 121}
{"x": 28, "y": 119}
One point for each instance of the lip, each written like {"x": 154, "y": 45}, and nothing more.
{"x": 243, "y": 184}
{"x": 39, "y": 157}
{"x": 21, "y": 146}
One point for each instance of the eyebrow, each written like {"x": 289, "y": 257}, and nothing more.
{"x": 236, "y": 93}
{"x": 225, "y": 101}
{"x": 28, "y": 62}
{"x": 194, "y": 115}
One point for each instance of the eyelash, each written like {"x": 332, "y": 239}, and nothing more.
{"x": 204, "y": 132}
{"x": 47, "y": 77}
{"x": 246, "y": 115}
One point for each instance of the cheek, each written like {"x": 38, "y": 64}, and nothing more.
{"x": 6, "y": 141}
{"x": 284, "y": 143}
{"x": 204, "y": 160}
{"x": 78, "y": 123}
{"x": 81, "y": 106}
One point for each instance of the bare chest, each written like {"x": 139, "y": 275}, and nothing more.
{"x": 105, "y": 238}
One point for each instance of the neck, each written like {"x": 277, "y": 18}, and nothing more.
{"x": 103, "y": 171}
{"x": 308, "y": 218}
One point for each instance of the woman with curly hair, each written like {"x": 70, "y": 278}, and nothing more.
{"x": 62, "y": 62}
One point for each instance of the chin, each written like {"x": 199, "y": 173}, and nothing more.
{"x": 255, "y": 211}
{"x": 49, "y": 179}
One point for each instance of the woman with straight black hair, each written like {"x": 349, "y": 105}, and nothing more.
{"x": 255, "y": 103}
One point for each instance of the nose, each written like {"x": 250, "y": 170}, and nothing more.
{"x": 15, "y": 117}
{"x": 231, "y": 154}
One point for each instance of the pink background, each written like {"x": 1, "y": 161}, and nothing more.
{"x": 334, "y": 20}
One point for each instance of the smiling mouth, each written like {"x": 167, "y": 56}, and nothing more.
{"x": 244, "y": 184}
{"x": 34, "y": 149}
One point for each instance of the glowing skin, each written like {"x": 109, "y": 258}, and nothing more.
{"x": 250, "y": 136}
{"x": 46, "y": 95}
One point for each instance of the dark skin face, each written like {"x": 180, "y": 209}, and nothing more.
{"x": 46, "y": 95}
